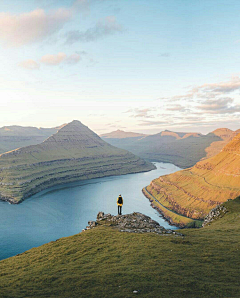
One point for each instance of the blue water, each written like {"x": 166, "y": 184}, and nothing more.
{"x": 65, "y": 210}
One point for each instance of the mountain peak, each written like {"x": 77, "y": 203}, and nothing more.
{"x": 75, "y": 134}
{"x": 75, "y": 122}
{"x": 73, "y": 153}
{"x": 223, "y": 132}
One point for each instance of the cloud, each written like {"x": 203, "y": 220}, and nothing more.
{"x": 143, "y": 113}
{"x": 152, "y": 123}
{"x": 53, "y": 59}
{"x": 30, "y": 27}
{"x": 140, "y": 113}
{"x": 59, "y": 58}
{"x": 222, "y": 87}
{"x": 177, "y": 107}
{"x": 219, "y": 106}
{"x": 104, "y": 27}
{"x": 208, "y": 91}
{"x": 73, "y": 59}
{"x": 29, "y": 64}
{"x": 216, "y": 104}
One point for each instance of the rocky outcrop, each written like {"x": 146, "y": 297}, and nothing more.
{"x": 132, "y": 223}
{"x": 214, "y": 214}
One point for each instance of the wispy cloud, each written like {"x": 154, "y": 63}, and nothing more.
{"x": 51, "y": 60}
{"x": 104, "y": 27}
{"x": 152, "y": 123}
{"x": 29, "y": 64}
{"x": 176, "y": 107}
{"x": 141, "y": 113}
{"x": 219, "y": 106}
{"x": 25, "y": 28}
{"x": 73, "y": 59}
{"x": 222, "y": 87}
{"x": 207, "y": 91}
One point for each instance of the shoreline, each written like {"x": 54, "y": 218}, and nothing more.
{"x": 166, "y": 217}
{"x": 43, "y": 188}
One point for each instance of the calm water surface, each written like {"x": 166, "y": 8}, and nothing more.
{"x": 65, "y": 210}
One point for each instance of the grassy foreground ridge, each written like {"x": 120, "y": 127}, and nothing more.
{"x": 106, "y": 263}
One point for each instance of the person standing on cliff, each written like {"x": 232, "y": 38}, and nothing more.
{"x": 120, "y": 203}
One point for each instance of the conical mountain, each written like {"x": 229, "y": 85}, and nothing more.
{"x": 73, "y": 153}
{"x": 195, "y": 191}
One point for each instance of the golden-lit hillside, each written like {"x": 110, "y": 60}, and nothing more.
{"x": 195, "y": 191}
{"x": 226, "y": 135}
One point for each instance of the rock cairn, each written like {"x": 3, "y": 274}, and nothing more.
{"x": 132, "y": 223}
{"x": 215, "y": 213}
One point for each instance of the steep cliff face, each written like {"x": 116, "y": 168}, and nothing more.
{"x": 195, "y": 191}
{"x": 73, "y": 153}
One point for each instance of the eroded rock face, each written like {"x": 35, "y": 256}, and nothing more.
{"x": 132, "y": 223}
{"x": 215, "y": 213}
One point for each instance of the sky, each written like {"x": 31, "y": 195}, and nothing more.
{"x": 134, "y": 65}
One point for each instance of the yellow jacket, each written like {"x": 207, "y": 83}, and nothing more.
{"x": 118, "y": 203}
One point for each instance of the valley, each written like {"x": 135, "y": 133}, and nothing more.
{"x": 181, "y": 149}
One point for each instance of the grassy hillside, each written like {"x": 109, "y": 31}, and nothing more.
{"x": 106, "y": 263}
{"x": 73, "y": 153}
{"x": 226, "y": 135}
{"x": 13, "y": 137}
{"x": 195, "y": 191}
{"x": 181, "y": 149}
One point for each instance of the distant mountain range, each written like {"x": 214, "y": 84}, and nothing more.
{"x": 12, "y": 137}
{"x": 181, "y": 149}
{"x": 195, "y": 191}
{"x": 120, "y": 134}
{"x": 73, "y": 153}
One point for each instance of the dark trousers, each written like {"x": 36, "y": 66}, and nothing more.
{"x": 120, "y": 210}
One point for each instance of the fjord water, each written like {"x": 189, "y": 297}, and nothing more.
{"x": 65, "y": 210}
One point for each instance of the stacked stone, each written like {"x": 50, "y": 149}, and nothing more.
{"x": 215, "y": 213}
{"x": 131, "y": 223}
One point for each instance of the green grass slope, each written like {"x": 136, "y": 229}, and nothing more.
{"x": 106, "y": 263}
{"x": 73, "y": 153}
